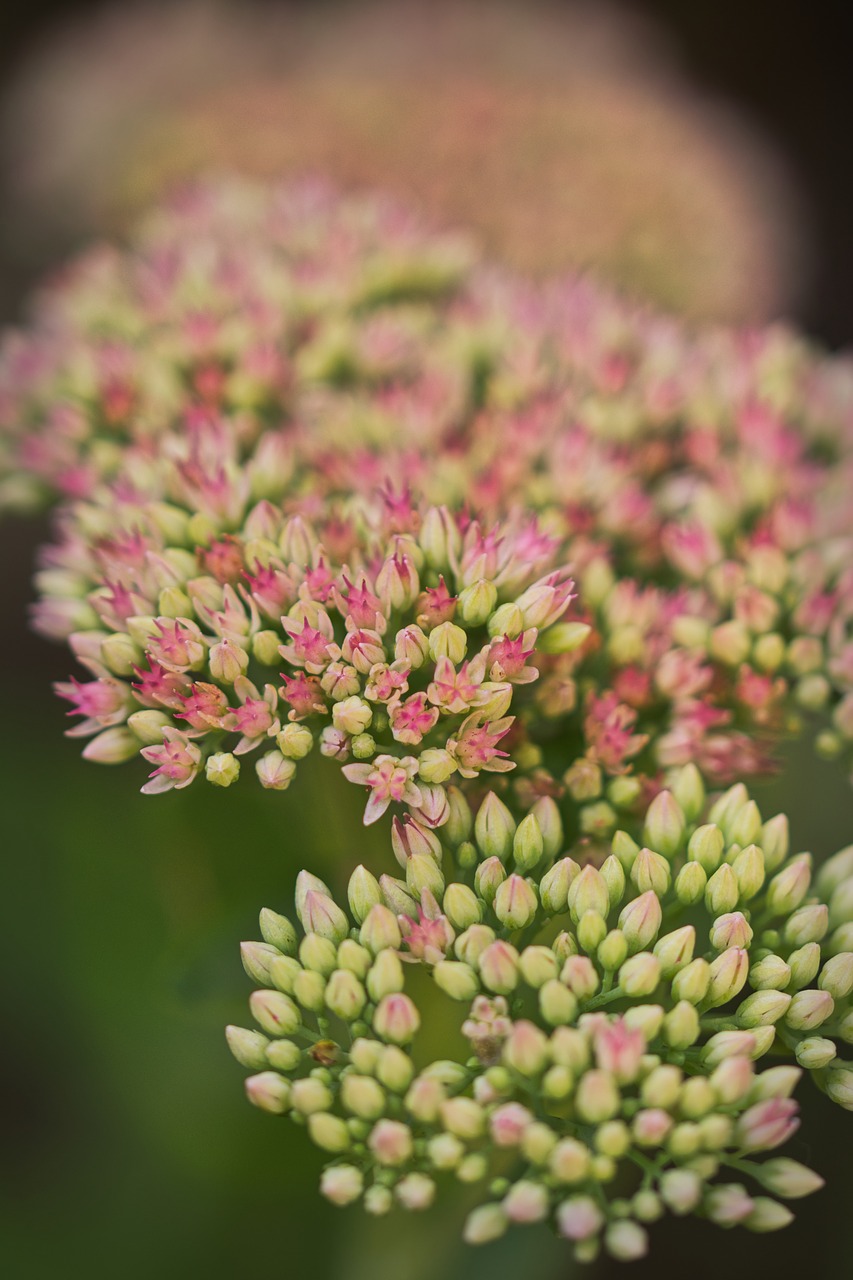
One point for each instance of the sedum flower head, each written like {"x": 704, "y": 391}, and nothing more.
{"x": 615, "y": 1070}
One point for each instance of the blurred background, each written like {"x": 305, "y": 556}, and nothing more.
{"x": 697, "y": 154}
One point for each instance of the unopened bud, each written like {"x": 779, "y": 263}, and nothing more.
{"x": 269, "y": 1091}
{"x": 380, "y": 930}
{"x": 690, "y": 883}
{"x": 664, "y": 826}
{"x": 494, "y": 828}
{"x": 554, "y": 886}
{"x": 488, "y": 878}
{"x": 588, "y": 892}
{"x": 248, "y": 1047}
{"x": 815, "y": 1052}
{"x": 706, "y": 847}
{"x": 640, "y": 920}
{"x": 675, "y": 950}
{"x": 789, "y": 886}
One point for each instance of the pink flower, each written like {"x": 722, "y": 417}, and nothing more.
{"x": 507, "y": 658}
{"x": 102, "y": 702}
{"x": 304, "y": 695}
{"x": 178, "y": 761}
{"x": 309, "y": 646}
{"x": 457, "y": 691}
{"x": 508, "y": 1123}
{"x": 389, "y": 779}
{"x": 412, "y": 719}
{"x": 475, "y": 747}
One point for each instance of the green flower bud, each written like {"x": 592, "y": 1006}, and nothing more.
{"x": 591, "y": 931}
{"x": 748, "y": 866}
{"x": 809, "y": 1009}
{"x": 473, "y": 942}
{"x": 767, "y": 1215}
{"x": 557, "y": 1004}
{"x": 664, "y": 826}
{"x": 835, "y": 871}
{"x": 728, "y": 805}
{"x": 485, "y": 1223}
{"x": 448, "y": 641}
{"x": 613, "y": 951}
{"x": 727, "y": 976}
{"x": 498, "y": 967}
{"x": 515, "y": 903}
{"x": 688, "y": 791}
{"x": 564, "y": 637}
{"x": 422, "y": 872}
{"x": 807, "y": 924}
{"x": 651, "y": 871}
{"x": 815, "y": 1052}
{"x": 774, "y": 841}
{"x": 494, "y": 828}
{"x": 353, "y": 956}
{"x": 776, "y": 1082}
{"x": 488, "y": 878}
{"x": 477, "y": 602}
{"x": 684, "y": 1140}
{"x": 570, "y": 1048}
{"x": 716, "y": 1132}
{"x": 328, "y": 1132}
{"x": 841, "y": 904}
{"x": 640, "y": 975}
{"x": 444, "y": 1151}
{"x": 363, "y": 892}
{"x": 147, "y": 726}
{"x": 284, "y": 1055}
{"x": 528, "y": 846}
{"x": 597, "y": 819}
{"x": 460, "y": 823}
{"x": 295, "y": 741}
{"x": 681, "y": 1190}
{"x": 362, "y": 1096}
{"x": 763, "y": 1008}
{"x": 691, "y": 983}
{"x": 396, "y": 1019}
{"x": 248, "y": 1047}
{"x": 344, "y": 995}
{"x": 463, "y": 1117}
{"x": 309, "y": 1095}
{"x": 461, "y": 906}
{"x": 278, "y": 931}
{"x": 564, "y": 945}
{"x": 730, "y": 930}
{"x": 613, "y": 875}
{"x": 625, "y": 849}
{"x": 554, "y": 886}
{"x": 397, "y": 896}
{"x": 624, "y": 792}
{"x": 579, "y": 975}
{"x": 647, "y": 1018}
{"x": 283, "y": 972}
{"x": 613, "y": 1139}
{"x": 380, "y": 930}
{"x": 706, "y": 847}
{"x": 320, "y": 914}
{"x": 257, "y": 958}
{"x": 385, "y": 975}
{"x": 722, "y": 891}
{"x": 456, "y": 979}
{"x": 274, "y": 1012}
{"x": 222, "y": 769}
{"x": 538, "y": 965}
{"x": 804, "y": 964}
{"x": 789, "y": 886}
{"x": 837, "y": 975}
{"x": 788, "y": 1178}
{"x": 467, "y": 855}
{"x": 640, "y": 920}
{"x": 675, "y": 950}
{"x": 681, "y": 1026}
{"x": 839, "y": 1086}
{"x": 537, "y": 1143}
{"x": 309, "y": 988}
{"x": 841, "y": 940}
{"x": 269, "y": 1091}
{"x": 690, "y": 883}
{"x": 318, "y": 954}
{"x": 745, "y": 828}
{"x": 588, "y": 892}
{"x": 550, "y": 825}
{"x": 395, "y": 1069}
{"x": 569, "y": 1161}
{"x": 770, "y": 974}
{"x": 626, "y": 1241}
{"x": 597, "y": 1097}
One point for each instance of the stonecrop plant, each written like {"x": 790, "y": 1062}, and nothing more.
{"x": 549, "y": 577}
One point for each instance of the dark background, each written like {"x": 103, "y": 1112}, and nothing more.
{"x": 129, "y": 1149}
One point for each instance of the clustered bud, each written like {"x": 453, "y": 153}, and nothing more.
{"x": 620, "y": 1024}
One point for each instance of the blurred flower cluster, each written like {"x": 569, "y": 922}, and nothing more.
{"x": 616, "y": 1021}
{"x": 536, "y": 567}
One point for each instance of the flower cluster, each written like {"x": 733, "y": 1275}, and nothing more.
{"x": 617, "y": 1016}
{"x": 267, "y": 354}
